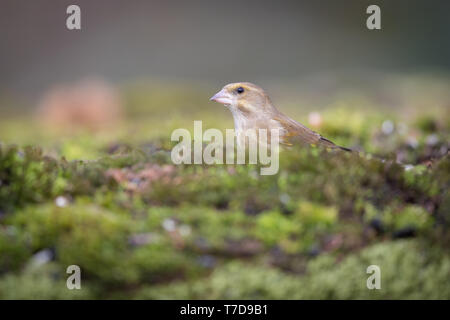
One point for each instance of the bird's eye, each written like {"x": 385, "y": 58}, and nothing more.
{"x": 240, "y": 90}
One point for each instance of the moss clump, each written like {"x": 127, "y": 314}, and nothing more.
{"x": 25, "y": 176}
{"x": 141, "y": 227}
{"x": 408, "y": 271}
{"x": 98, "y": 241}
{"x": 45, "y": 282}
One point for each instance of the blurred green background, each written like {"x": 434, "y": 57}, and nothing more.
{"x": 86, "y": 176}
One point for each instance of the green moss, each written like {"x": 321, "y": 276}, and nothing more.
{"x": 410, "y": 216}
{"x": 426, "y": 123}
{"x": 25, "y": 175}
{"x": 97, "y": 240}
{"x": 317, "y": 215}
{"x": 14, "y": 251}
{"x": 215, "y": 227}
{"x": 85, "y": 235}
{"x": 274, "y": 228}
{"x": 408, "y": 271}
{"x": 225, "y": 231}
{"x": 46, "y": 282}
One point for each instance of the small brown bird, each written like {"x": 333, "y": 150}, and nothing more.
{"x": 252, "y": 109}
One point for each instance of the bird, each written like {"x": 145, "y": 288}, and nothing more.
{"x": 252, "y": 108}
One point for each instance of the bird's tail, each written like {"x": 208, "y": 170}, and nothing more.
{"x": 330, "y": 144}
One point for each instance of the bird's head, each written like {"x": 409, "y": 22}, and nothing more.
{"x": 245, "y": 97}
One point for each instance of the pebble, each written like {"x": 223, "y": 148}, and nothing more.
{"x": 141, "y": 239}
{"x": 61, "y": 202}
{"x": 432, "y": 139}
{"x": 41, "y": 257}
{"x": 185, "y": 230}
{"x": 387, "y": 127}
{"x": 207, "y": 261}
{"x": 169, "y": 225}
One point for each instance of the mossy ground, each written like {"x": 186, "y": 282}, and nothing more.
{"x": 140, "y": 227}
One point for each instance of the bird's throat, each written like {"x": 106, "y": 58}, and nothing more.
{"x": 241, "y": 120}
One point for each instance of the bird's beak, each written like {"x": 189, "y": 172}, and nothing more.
{"x": 222, "y": 97}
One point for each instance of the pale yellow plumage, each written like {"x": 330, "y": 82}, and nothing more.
{"x": 252, "y": 109}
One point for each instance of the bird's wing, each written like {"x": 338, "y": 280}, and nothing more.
{"x": 296, "y": 132}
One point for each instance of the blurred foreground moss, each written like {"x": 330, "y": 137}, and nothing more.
{"x": 41, "y": 282}
{"x": 140, "y": 227}
{"x": 408, "y": 271}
